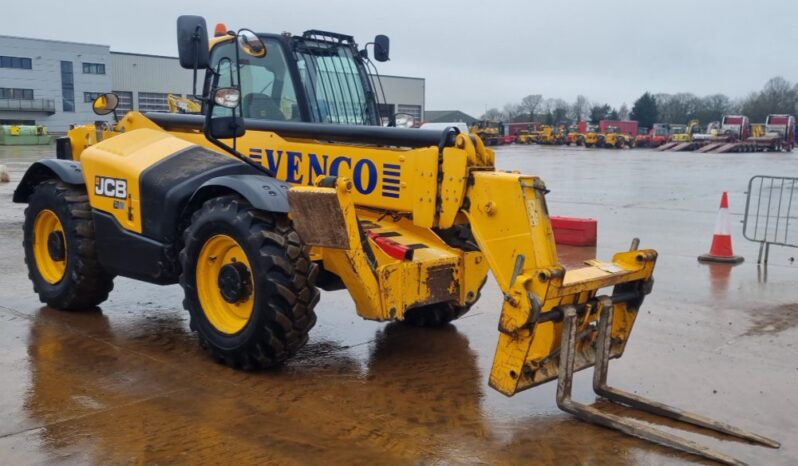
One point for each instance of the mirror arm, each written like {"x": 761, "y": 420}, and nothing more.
{"x": 238, "y": 85}
{"x": 196, "y": 39}
{"x": 207, "y": 126}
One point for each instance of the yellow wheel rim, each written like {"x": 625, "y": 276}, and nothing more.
{"x": 227, "y": 317}
{"x": 52, "y": 270}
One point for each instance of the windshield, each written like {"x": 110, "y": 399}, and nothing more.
{"x": 267, "y": 90}
{"x": 678, "y": 130}
{"x": 335, "y": 83}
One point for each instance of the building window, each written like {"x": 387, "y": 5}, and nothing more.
{"x": 93, "y": 68}
{"x": 22, "y": 94}
{"x": 125, "y": 101}
{"x": 20, "y": 63}
{"x": 153, "y": 102}
{"x": 68, "y": 86}
{"x": 414, "y": 110}
{"x": 91, "y": 96}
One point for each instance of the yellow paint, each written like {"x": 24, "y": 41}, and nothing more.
{"x": 226, "y": 317}
{"x": 45, "y": 223}
{"x": 507, "y": 214}
{"x": 125, "y": 157}
{"x": 386, "y": 289}
{"x": 614, "y": 138}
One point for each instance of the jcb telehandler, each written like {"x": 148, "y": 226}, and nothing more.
{"x": 284, "y": 184}
{"x": 614, "y": 138}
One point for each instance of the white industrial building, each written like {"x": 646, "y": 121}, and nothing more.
{"x": 53, "y": 83}
{"x": 48, "y": 82}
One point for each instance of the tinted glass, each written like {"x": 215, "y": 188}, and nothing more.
{"x": 267, "y": 90}
{"x": 67, "y": 86}
{"x": 334, "y": 83}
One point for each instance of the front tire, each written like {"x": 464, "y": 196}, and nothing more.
{"x": 58, "y": 239}
{"x": 249, "y": 284}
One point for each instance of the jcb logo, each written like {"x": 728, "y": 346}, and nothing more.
{"x": 110, "y": 187}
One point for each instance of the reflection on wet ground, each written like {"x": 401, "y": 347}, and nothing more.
{"x": 127, "y": 383}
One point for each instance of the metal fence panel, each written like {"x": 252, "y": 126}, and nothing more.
{"x": 771, "y": 212}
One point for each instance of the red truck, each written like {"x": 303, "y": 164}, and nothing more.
{"x": 735, "y": 128}
{"x": 655, "y": 137}
{"x": 628, "y": 127}
{"x": 779, "y": 134}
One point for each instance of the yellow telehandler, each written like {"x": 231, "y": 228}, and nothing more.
{"x": 180, "y": 104}
{"x": 614, "y": 138}
{"x": 286, "y": 183}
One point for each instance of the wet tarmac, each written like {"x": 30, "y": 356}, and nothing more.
{"x": 127, "y": 384}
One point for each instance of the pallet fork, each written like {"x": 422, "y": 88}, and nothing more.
{"x": 628, "y": 426}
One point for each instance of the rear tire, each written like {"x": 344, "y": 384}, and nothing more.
{"x": 269, "y": 320}
{"x": 65, "y": 274}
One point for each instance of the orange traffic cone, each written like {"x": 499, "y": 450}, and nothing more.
{"x": 721, "y": 249}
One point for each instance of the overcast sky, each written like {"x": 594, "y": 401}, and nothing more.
{"x": 483, "y": 54}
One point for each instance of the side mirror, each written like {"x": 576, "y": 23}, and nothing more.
{"x": 382, "y": 48}
{"x": 227, "y": 97}
{"x": 105, "y": 104}
{"x": 227, "y": 127}
{"x": 192, "y": 42}
{"x": 251, "y": 44}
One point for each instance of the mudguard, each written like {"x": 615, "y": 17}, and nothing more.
{"x": 263, "y": 192}
{"x": 67, "y": 171}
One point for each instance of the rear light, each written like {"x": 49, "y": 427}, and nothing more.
{"x": 391, "y": 247}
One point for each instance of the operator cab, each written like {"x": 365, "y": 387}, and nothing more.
{"x": 319, "y": 77}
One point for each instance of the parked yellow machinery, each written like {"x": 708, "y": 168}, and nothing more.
{"x": 613, "y": 138}
{"x": 574, "y": 136}
{"x": 180, "y": 104}
{"x": 526, "y": 136}
{"x": 264, "y": 198}
{"x": 593, "y": 138}
{"x": 682, "y": 133}
{"x": 550, "y": 135}
{"x": 488, "y": 131}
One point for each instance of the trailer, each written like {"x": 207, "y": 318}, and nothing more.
{"x": 731, "y": 134}
{"x": 776, "y": 135}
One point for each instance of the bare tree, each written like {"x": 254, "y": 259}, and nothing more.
{"x": 512, "y": 112}
{"x": 677, "y": 108}
{"x": 623, "y": 112}
{"x": 530, "y": 105}
{"x": 778, "y": 96}
{"x": 559, "y": 111}
{"x": 713, "y": 107}
{"x": 580, "y": 108}
{"x": 493, "y": 114}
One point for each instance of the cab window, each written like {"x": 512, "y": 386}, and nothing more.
{"x": 267, "y": 90}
